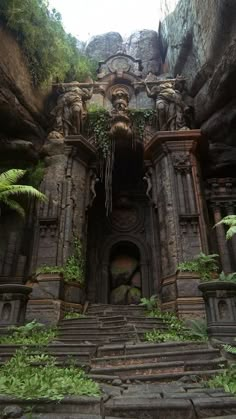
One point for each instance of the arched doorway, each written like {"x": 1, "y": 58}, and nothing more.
{"x": 125, "y": 281}
{"x": 123, "y": 260}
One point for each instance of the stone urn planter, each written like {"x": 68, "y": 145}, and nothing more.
{"x": 220, "y": 304}
{"x": 13, "y": 302}
{"x": 74, "y": 293}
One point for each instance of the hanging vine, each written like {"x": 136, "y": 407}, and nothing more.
{"x": 99, "y": 123}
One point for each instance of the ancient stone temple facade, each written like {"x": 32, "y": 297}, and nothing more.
{"x": 124, "y": 177}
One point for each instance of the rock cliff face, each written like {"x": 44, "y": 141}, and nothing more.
{"x": 21, "y": 108}
{"x": 198, "y": 40}
{"x": 142, "y": 45}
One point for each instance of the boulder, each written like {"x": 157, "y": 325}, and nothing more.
{"x": 100, "y": 47}
{"x": 119, "y": 295}
{"x": 134, "y": 296}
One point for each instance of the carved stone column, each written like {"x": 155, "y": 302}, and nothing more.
{"x": 63, "y": 217}
{"x": 181, "y": 223}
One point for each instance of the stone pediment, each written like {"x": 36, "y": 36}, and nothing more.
{"x": 119, "y": 64}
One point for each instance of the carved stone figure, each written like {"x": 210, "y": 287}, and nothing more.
{"x": 169, "y": 104}
{"x": 70, "y": 110}
{"x": 93, "y": 181}
{"x": 121, "y": 125}
{"x": 148, "y": 179}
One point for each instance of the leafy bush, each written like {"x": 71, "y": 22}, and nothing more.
{"x": 226, "y": 380}
{"x": 32, "y": 333}
{"x": 51, "y": 52}
{"x": 73, "y": 271}
{"x": 227, "y": 277}
{"x": 149, "y": 303}
{"x": 230, "y": 222}
{"x": 203, "y": 265}
{"x": 19, "y": 378}
{"x": 177, "y": 330}
{"x": 70, "y": 315}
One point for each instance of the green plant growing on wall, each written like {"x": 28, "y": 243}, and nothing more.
{"x": 74, "y": 268}
{"x": 230, "y": 222}
{"x": 140, "y": 118}
{"x": 9, "y": 189}
{"x": 227, "y": 277}
{"x": 149, "y": 303}
{"x": 99, "y": 121}
{"x": 203, "y": 265}
{"x": 70, "y": 315}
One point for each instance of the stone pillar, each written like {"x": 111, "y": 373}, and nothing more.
{"x": 63, "y": 216}
{"x": 181, "y": 224}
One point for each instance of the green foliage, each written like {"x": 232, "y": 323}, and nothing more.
{"x": 32, "y": 333}
{"x": 100, "y": 123}
{"x": 227, "y": 277}
{"x": 70, "y": 315}
{"x": 226, "y": 380}
{"x": 9, "y": 189}
{"x": 176, "y": 329}
{"x": 230, "y": 349}
{"x": 22, "y": 379}
{"x": 51, "y": 52}
{"x": 44, "y": 269}
{"x": 73, "y": 271}
{"x": 140, "y": 118}
{"x": 149, "y": 303}
{"x": 75, "y": 265}
{"x": 198, "y": 328}
{"x": 230, "y": 222}
{"x": 35, "y": 174}
{"x": 203, "y": 265}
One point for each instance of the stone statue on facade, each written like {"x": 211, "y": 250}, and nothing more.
{"x": 148, "y": 179}
{"x": 121, "y": 124}
{"x": 94, "y": 179}
{"x": 70, "y": 111}
{"x": 170, "y": 106}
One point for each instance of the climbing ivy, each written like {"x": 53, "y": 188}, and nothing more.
{"x": 140, "y": 118}
{"x": 99, "y": 124}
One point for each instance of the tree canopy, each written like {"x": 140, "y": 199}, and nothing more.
{"x": 50, "y": 51}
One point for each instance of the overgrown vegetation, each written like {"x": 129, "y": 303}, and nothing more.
{"x": 9, "y": 189}
{"x": 176, "y": 330}
{"x": 99, "y": 121}
{"x": 70, "y": 315}
{"x": 32, "y": 333}
{"x": 226, "y": 380}
{"x": 20, "y": 378}
{"x": 73, "y": 271}
{"x": 50, "y": 51}
{"x": 230, "y": 222}
{"x": 140, "y": 118}
{"x": 203, "y": 265}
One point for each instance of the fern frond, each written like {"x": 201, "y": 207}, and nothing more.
{"x": 10, "y": 177}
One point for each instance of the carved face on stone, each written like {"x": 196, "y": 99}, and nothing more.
{"x": 120, "y": 99}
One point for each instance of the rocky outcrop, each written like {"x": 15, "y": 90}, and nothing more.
{"x": 21, "y": 107}
{"x": 198, "y": 40}
{"x": 143, "y": 45}
{"x": 101, "y": 47}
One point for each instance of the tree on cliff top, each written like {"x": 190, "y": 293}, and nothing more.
{"x": 50, "y": 51}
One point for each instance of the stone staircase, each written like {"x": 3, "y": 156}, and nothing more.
{"x": 139, "y": 380}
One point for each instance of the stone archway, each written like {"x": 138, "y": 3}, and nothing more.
{"x": 119, "y": 251}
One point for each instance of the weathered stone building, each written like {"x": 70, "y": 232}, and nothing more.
{"x": 144, "y": 192}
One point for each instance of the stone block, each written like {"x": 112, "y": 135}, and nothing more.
{"x": 44, "y": 311}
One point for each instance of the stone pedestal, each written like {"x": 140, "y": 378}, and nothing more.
{"x": 74, "y": 293}
{"x": 13, "y": 301}
{"x": 180, "y": 294}
{"x": 181, "y": 226}
{"x": 220, "y": 302}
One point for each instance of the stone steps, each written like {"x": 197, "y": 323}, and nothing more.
{"x": 193, "y": 354}
{"x": 152, "y": 369}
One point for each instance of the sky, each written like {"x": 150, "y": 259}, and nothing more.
{"x": 85, "y": 18}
